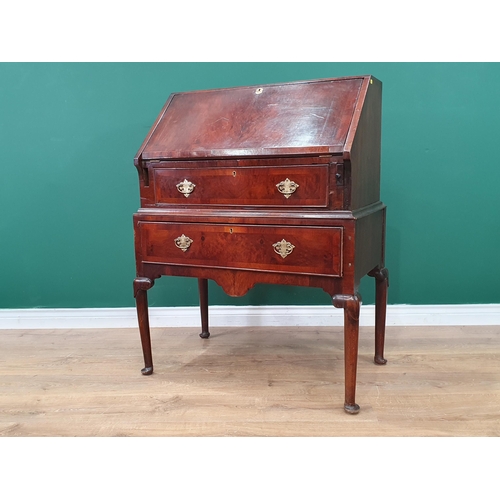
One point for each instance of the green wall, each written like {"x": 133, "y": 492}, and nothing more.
{"x": 68, "y": 188}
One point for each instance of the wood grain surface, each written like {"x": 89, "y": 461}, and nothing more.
{"x": 439, "y": 381}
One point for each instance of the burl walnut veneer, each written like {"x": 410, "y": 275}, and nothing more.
{"x": 272, "y": 184}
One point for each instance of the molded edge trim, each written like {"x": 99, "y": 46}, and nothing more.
{"x": 224, "y": 316}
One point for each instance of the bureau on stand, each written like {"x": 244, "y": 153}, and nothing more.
{"x": 275, "y": 184}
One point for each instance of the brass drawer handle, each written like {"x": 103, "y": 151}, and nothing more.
{"x": 183, "y": 242}
{"x": 287, "y": 187}
{"x": 185, "y": 187}
{"x": 283, "y": 248}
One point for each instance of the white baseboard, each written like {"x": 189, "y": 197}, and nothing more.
{"x": 397, "y": 315}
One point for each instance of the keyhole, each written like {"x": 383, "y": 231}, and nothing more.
{"x": 231, "y": 230}
{"x": 234, "y": 173}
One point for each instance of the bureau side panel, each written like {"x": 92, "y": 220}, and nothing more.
{"x": 369, "y": 246}
{"x": 365, "y": 153}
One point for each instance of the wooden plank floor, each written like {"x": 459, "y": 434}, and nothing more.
{"x": 439, "y": 381}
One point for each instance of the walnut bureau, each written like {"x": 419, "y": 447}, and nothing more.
{"x": 274, "y": 184}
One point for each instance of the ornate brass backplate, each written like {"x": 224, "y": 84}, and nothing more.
{"x": 287, "y": 187}
{"x": 183, "y": 242}
{"x": 283, "y": 248}
{"x": 185, "y": 187}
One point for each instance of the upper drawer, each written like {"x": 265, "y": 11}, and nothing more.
{"x": 300, "y": 186}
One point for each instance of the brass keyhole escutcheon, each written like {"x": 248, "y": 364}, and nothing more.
{"x": 259, "y": 90}
{"x": 231, "y": 230}
{"x": 234, "y": 173}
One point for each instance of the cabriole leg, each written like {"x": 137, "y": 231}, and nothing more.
{"x": 351, "y": 305}
{"x": 203, "y": 289}
{"x": 141, "y": 285}
{"x": 381, "y": 276}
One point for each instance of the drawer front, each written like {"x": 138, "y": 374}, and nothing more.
{"x": 299, "y": 250}
{"x": 263, "y": 186}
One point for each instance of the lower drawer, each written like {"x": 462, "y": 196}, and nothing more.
{"x": 290, "y": 249}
